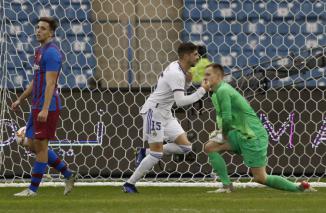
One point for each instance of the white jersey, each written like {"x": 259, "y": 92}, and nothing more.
{"x": 172, "y": 79}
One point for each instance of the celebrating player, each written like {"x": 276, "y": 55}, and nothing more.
{"x": 243, "y": 133}
{"x": 158, "y": 121}
{"x": 46, "y": 105}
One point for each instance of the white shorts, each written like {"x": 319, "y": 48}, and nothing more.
{"x": 158, "y": 125}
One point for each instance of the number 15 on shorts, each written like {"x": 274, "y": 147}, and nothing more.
{"x": 156, "y": 125}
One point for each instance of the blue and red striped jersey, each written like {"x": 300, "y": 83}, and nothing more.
{"x": 47, "y": 59}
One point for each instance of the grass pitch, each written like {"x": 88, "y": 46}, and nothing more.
{"x": 102, "y": 199}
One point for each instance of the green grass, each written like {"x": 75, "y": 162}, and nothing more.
{"x": 165, "y": 200}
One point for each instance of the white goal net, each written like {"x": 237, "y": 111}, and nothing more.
{"x": 274, "y": 53}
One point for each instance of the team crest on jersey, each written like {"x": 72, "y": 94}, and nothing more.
{"x": 154, "y": 133}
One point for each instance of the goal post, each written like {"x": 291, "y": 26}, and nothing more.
{"x": 274, "y": 54}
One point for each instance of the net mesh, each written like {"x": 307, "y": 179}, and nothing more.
{"x": 273, "y": 51}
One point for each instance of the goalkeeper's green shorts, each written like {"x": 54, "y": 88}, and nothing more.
{"x": 253, "y": 151}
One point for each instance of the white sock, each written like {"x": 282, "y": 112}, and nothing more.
{"x": 147, "y": 163}
{"x": 172, "y": 148}
{"x": 147, "y": 151}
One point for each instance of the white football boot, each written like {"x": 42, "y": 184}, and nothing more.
{"x": 26, "y": 193}
{"x": 70, "y": 183}
{"x": 225, "y": 189}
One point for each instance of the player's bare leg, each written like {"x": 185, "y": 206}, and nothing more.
{"x": 41, "y": 150}
{"x": 212, "y": 146}
{"x": 181, "y": 145}
{"x": 259, "y": 174}
{"x": 30, "y": 145}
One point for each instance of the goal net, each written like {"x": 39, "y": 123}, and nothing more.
{"x": 273, "y": 51}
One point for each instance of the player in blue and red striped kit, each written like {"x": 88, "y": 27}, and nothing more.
{"x": 46, "y": 106}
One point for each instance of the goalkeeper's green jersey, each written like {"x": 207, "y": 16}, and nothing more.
{"x": 233, "y": 112}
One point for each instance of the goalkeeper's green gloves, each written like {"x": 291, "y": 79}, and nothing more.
{"x": 217, "y": 136}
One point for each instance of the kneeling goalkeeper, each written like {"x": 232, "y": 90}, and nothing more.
{"x": 243, "y": 133}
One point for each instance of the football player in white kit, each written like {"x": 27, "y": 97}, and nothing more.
{"x": 158, "y": 121}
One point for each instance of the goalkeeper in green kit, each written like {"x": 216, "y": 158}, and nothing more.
{"x": 242, "y": 133}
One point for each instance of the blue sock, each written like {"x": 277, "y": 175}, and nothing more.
{"x": 37, "y": 174}
{"x": 55, "y": 162}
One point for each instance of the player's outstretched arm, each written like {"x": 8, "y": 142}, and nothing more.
{"x": 182, "y": 100}
{"x": 26, "y": 93}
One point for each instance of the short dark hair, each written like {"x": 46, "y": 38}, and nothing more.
{"x": 217, "y": 67}
{"x": 186, "y": 48}
{"x": 202, "y": 51}
{"x": 51, "y": 21}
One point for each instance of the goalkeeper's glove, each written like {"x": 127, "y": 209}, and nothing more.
{"x": 217, "y": 136}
